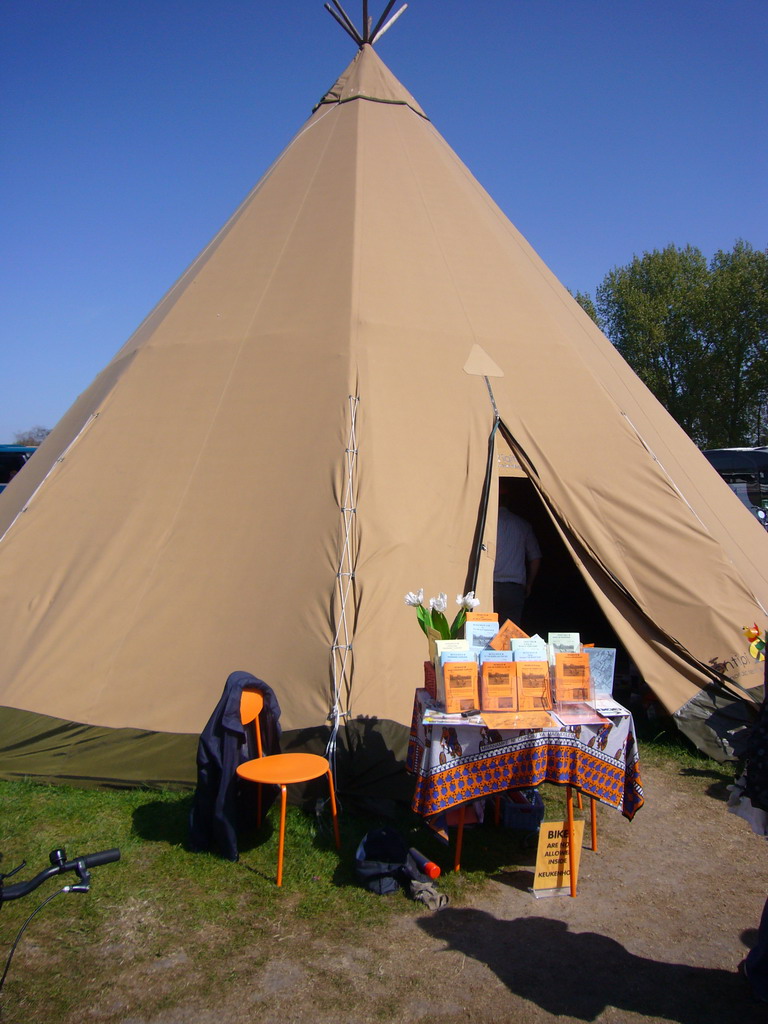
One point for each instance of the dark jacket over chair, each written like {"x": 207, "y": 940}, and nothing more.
{"x": 222, "y": 803}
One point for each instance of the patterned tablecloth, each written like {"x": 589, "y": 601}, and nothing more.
{"x": 456, "y": 763}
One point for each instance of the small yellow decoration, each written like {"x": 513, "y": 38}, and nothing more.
{"x": 756, "y": 642}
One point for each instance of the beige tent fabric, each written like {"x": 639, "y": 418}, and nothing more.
{"x": 372, "y": 80}
{"x": 185, "y": 518}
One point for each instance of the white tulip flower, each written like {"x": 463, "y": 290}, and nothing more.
{"x": 468, "y": 600}
{"x": 414, "y": 600}
{"x": 439, "y": 604}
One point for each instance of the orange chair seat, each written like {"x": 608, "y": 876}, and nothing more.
{"x": 283, "y": 769}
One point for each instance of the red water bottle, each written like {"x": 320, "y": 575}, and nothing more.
{"x": 426, "y": 867}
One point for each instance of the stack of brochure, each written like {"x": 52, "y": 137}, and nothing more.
{"x": 510, "y": 676}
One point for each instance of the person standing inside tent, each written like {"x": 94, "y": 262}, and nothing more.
{"x": 518, "y": 558}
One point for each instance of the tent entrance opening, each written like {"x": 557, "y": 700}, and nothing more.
{"x": 560, "y": 599}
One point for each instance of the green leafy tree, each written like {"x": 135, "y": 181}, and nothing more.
{"x": 584, "y": 299}
{"x": 33, "y": 436}
{"x": 697, "y": 335}
{"x": 651, "y": 311}
{"x": 736, "y": 330}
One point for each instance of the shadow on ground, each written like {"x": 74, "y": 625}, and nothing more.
{"x": 721, "y": 781}
{"x": 163, "y": 821}
{"x": 580, "y": 974}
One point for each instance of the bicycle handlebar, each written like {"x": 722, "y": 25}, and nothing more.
{"x": 59, "y": 864}
{"x": 94, "y": 860}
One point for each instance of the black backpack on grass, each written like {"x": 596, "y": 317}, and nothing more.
{"x": 383, "y": 862}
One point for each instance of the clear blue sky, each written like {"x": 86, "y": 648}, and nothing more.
{"x": 131, "y": 129}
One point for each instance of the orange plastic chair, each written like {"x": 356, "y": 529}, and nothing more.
{"x": 281, "y": 770}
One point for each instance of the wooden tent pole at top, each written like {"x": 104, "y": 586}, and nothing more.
{"x": 370, "y": 34}
{"x": 377, "y": 28}
{"x": 344, "y": 20}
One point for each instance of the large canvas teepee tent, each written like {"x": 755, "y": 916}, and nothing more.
{"x": 323, "y": 451}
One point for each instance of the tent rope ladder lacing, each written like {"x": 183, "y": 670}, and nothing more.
{"x": 474, "y": 563}
{"x": 680, "y": 493}
{"x": 493, "y": 402}
{"x": 663, "y": 469}
{"x": 342, "y": 655}
{"x": 57, "y": 462}
{"x": 683, "y": 498}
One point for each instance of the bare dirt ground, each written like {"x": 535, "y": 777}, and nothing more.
{"x": 665, "y": 911}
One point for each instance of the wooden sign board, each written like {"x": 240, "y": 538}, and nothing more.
{"x": 553, "y": 873}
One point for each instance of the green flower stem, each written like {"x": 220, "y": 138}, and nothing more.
{"x": 423, "y": 615}
{"x": 440, "y": 623}
{"x": 458, "y": 622}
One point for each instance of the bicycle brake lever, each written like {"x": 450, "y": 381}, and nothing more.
{"x": 83, "y": 874}
{"x": 9, "y": 874}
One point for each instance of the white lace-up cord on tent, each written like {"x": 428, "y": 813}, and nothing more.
{"x": 93, "y": 416}
{"x": 679, "y": 493}
{"x": 479, "y": 545}
{"x": 342, "y": 655}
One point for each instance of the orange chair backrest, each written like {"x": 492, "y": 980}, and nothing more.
{"x": 251, "y": 704}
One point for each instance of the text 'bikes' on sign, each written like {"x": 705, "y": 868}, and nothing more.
{"x": 553, "y": 870}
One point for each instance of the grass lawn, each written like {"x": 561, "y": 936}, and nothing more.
{"x": 131, "y": 921}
